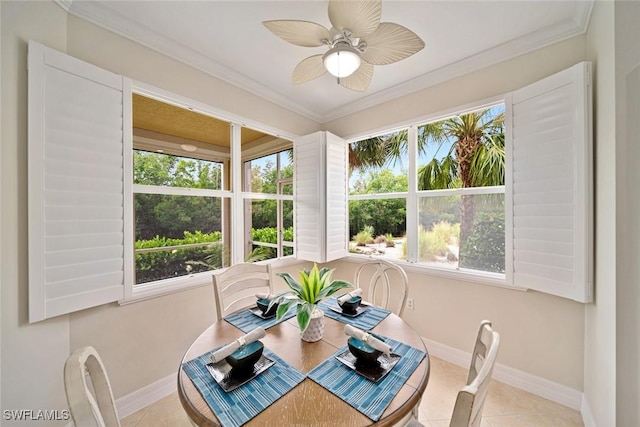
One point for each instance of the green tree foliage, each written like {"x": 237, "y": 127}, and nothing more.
{"x": 168, "y": 215}
{"x": 475, "y": 157}
{"x": 265, "y": 180}
{"x": 384, "y": 215}
{"x": 484, "y": 248}
{"x": 158, "y": 265}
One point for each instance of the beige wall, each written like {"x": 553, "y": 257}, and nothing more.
{"x": 32, "y": 355}
{"x": 474, "y": 87}
{"x": 540, "y": 334}
{"x": 600, "y": 323}
{"x": 143, "y": 342}
{"x": 112, "y": 52}
{"x": 627, "y": 55}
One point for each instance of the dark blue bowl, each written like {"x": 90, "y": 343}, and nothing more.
{"x": 246, "y": 356}
{"x": 263, "y": 305}
{"x": 351, "y": 305}
{"x": 363, "y": 352}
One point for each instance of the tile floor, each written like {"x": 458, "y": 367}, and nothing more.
{"x": 505, "y": 406}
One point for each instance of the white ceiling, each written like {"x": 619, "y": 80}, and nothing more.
{"x": 227, "y": 39}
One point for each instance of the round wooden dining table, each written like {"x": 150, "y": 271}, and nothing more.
{"x": 308, "y": 404}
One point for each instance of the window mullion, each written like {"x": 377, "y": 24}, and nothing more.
{"x": 237, "y": 201}
{"x": 412, "y": 196}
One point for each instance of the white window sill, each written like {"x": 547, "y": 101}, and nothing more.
{"x": 159, "y": 288}
{"x": 473, "y": 276}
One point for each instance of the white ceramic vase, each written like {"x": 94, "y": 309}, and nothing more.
{"x": 315, "y": 329}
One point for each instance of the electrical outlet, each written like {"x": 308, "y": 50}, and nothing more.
{"x": 410, "y": 303}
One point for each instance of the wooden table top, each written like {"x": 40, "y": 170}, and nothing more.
{"x": 308, "y": 403}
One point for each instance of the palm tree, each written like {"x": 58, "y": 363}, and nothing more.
{"x": 475, "y": 157}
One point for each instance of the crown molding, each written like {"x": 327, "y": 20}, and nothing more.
{"x": 102, "y": 16}
{"x": 552, "y": 34}
{"x": 65, "y": 4}
{"x": 582, "y": 14}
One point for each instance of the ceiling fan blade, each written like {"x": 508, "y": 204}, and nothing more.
{"x": 300, "y": 33}
{"x": 390, "y": 43}
{"x": 308, "y": 69}
{"x": 361, "y": 17}
{"x": 360, "y": 79}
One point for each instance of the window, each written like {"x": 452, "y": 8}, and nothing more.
{"x": 181, "y": 197}
{"x": 269, "y": 218}
{"x": 176, "y": 232}
{"x": 458, "y": 177}
{"x": 519, "y": 212}
{"x": 183, "y": 194}
{"x": 81, "y": 194}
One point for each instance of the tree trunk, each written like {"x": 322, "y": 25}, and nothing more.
{"x": 467, "y": 218}
{"x": 465, "y": 150}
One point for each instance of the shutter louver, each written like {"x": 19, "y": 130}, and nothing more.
{"x": 77, "y": 204}
{"x": 320, "y": 197}
{"x": 551, "y": 185}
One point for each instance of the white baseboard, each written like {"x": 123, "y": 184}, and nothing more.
{"x": 553, "y": 391}
{"x": 587, "y": 416}
{"x": 558, "y": 393}
{"x": 145, "y": 396}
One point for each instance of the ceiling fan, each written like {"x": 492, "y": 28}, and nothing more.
{"x": 357, "y": 41}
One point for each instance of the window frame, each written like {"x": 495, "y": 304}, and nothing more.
{"x": 144, "y": 291}
{"x": 279, "y": 197}
{"x": 413, "y": 196}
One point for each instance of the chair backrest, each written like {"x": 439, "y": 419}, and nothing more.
{"x": 467, "y": 411}
{"x": 90, "y": 403}
{"x": 388, "y": 285}
{"x": 236, "y": 286}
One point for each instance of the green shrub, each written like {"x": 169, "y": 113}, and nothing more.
{"x": 389, "y": 240}
{"x": 484, "y": 248}
{"x": 270, "y": 235}
{"x": 152, "y": 266}
{"x": 431, "y": 245}
{"x": 446, "y": 232}
{"x": 365, "y": 236}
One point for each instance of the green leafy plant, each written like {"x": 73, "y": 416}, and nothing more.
{"x": 389, "y": 240}
{"x": 314, "y": 286}
{"x": 365, "y": 236}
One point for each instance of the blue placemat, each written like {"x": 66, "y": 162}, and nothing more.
{"x": 370, "y": 398}
{"x": 240, "y": 405}
{"x": 367, "y": 320}
{"x": 247, "y": 321}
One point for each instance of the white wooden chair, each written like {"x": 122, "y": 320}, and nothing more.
{"x": 388, "y": 285}
{"x": 90, "y": 403}
{"x": 236, "y": 287}
{"x": 467, "y": 411}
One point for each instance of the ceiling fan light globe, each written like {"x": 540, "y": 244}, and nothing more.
{"x": 341, "y": 61}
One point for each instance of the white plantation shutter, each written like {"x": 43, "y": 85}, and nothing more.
{"x": 320, "y": 197}
{"x": 79, "y": 213}
{"x": 550, "y": 185}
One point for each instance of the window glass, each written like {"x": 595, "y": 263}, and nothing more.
{"x": 459, "y": 173}
{"x": 440, "y": 232}
{"x": 462, "y": 151}
{"x": 378, "y": 227}
{"x": 383, "y": 159}
{"x": 174, "y": 171}
{"x": 177, "y": 235}
{"x": 269, "y": 220}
